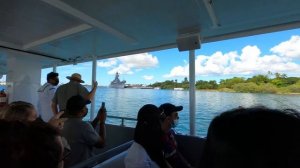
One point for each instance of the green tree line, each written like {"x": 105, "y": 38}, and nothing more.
{"x": 270, "y": 83}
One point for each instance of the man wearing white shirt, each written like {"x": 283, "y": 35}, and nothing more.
{"x": 46, "y": 93}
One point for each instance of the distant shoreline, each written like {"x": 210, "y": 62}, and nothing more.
{"x": 232, "y": 91}
{"x": 214, "y": 90}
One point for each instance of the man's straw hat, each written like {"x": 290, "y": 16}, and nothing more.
{"x": 76, "y": 77}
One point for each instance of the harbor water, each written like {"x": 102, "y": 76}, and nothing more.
{"x": 127, "y": 102}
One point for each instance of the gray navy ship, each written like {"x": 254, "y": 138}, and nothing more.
{"x": 116, "y": 83}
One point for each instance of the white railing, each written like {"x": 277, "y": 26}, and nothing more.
{"x": 122, "y": 119}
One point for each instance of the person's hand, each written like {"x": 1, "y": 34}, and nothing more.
{"x": 56, "y": 121}
{"x": 102, "y": 115}
{"x": 95, "y": 84}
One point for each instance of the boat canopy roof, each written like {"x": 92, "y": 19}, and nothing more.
{"x": 69, "y": 31}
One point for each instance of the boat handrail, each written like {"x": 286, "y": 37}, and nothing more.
{"x": 122, "y": 119}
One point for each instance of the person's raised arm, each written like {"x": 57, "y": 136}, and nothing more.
{"x": 101, "y": 118}
{"x": 102, "y": 134}
{"x": 56, "y": 121}
{"x": 91, "y": 94}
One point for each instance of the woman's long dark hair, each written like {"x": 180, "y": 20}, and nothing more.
{"x": 148, "y": 133}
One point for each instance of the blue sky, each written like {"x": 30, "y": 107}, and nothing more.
{"x": 243, "y": 57}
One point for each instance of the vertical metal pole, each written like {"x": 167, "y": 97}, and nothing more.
{"x": 192, "y": 91}
{"x": 54, "y": 68}
{"x": 122, "y": 124}
{"x": 94, "y": 73}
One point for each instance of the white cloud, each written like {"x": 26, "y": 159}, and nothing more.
{"x": 143, "y": 60}
{"x": 126, "y": 64}
{"x": 250, "y": 61}
{"x": 111, "y": 62}
{"x": 148, "y": 77}
{"x": 179, "y": 71}
{"x": 122, "y": 69}
{"x": 290, "y": 48}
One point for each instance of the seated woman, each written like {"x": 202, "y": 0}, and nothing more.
{"x": 253, "y": 137}
{"x": 25, "y": 112}
{"x": 146, "y": 151}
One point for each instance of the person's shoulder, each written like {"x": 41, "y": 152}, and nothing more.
{"x": 43, "y": 87}
{"x": 86, "y": 125}
{"x": 63, "y": 86}
{"x": 51, "y": 87}
{"x": 74, "y": 84}
{"x": 58, "y": 89}
{"x": 78, "y": 123}
{"x": 138, "y": 157}
{"x": 138, "y": 150}
{"x": 80, "y": 85}
{"x": 82, "y": 88}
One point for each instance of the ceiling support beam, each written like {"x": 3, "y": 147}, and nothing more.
{"x": 11, "y": 45}
{"x": 31, "y": 52}
{"x": 56, "y": 36}
{"x": 254, "y": 31}
{"x": 88, "y": 19}
{"x": 211, "y": 13}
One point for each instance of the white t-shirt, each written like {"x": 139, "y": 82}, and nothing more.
{"x": 46, "y": 93}
{"x": 137, "y": 157}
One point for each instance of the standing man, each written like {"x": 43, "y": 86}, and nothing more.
{"x": 74, "y": 87}
{"x": 46, "y": 93}
{"x": 169, "y": 117}
{"x": 82, "y": 135}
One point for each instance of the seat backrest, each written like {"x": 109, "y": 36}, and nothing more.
{"x": 114, "y": 162}
{"x": 115, "y": 136}
{"x": 191, "y": 147}
{"x": 102, "y": 157}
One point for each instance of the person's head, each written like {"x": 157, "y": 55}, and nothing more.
{"x": 20, "y": 110}
{"x": 75, "y": 77}
{"x": 76, "y": 106}
{"x": 148, "y": 132}
{"x": 30, "y": 144}
{"x": 253, "y": 137}
{"x": 148, "y": 122}
{"x": 169, "y": 115}
{"x": 52, "y": 78}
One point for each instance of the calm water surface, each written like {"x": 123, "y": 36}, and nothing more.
{"x": 127, "y": 102}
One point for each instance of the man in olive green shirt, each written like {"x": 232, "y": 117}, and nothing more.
{"x": 74, "y": 87}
